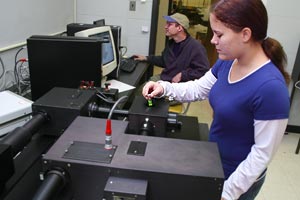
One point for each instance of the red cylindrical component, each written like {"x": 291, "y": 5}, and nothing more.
{"x": 108, "y": 127}
{"x": 108, "y": 138}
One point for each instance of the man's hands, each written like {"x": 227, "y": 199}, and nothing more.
{"x": 139, "y": 57}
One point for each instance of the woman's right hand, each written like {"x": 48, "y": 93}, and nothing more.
{"x": 152, "y": 89}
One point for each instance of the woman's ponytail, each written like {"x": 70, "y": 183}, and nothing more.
{"x": 275, "y": 52}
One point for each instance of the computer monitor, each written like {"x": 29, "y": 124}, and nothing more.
{"x": 116, "y": 32}
{"x": 76, "y": 27}
{"x": 100, "y": 22}
{"x": 109, "y": 53}
{"x": 60, "y": 61}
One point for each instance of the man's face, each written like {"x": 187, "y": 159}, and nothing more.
{"x": 172, "y": 29}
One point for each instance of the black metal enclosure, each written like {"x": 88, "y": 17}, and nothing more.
{"x": 138, "y": 167}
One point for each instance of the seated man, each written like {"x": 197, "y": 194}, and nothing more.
{"x": 184, "y": 58}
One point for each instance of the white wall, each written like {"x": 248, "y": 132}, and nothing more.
{"x": 21, "y": 19}
{"x": 284, "y": 25}
{"x": 116, "y": 12}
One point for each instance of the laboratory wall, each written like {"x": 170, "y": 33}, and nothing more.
{"x": 284, "y": 25}
{"x": 21, "y": 19}
{"x": 134, "y": 16}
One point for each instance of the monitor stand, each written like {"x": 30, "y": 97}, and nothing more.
{"x": 103, "y": 81}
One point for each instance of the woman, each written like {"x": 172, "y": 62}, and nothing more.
{"x": 247, "y": 90}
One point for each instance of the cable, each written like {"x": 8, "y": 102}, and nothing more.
{"x": 108, "y": 139}
{"x": 11, "y": 74}
{"x": 16, "y": 73}
{"x": 16, "y": 56}
{"x": 123, "y": 47}
{"x": 115, "y": 105}
{"x": 23, "y": 70}
{"x": 4, "y": 85}
{"x": 3, "y": 68}
{"x": 22, "y": 60}
{"x": 104, "y": 97}
{"x": 16, "y": 70}
{"x": 24, "y": 80}
{"x": 2, "y": 74}
{"x": 63, "y": 33}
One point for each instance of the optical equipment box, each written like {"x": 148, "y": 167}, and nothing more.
{"x": 156, "y": 115}
{"x": 144, "y": 167}
{"x": 62, "y": 105}
{"x": 125, "y": 188}
{"x": 15, "y": 111}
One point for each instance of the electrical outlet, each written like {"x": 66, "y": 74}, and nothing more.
{"x": 131, "y": 5}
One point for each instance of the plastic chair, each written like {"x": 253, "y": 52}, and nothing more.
{"x": 181, "y": 108}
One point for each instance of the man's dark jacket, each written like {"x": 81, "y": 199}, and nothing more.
{"x": 188, "y": 57}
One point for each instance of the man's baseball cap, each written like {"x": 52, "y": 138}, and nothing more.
{"x": 180, "y": 19}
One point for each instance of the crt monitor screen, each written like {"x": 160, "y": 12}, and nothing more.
{"x": 109, "y": 56}
{"x": 62, "y": 62}
{"x": 107, "y": 47}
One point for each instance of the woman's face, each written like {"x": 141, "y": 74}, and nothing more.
{"x": 229, "y": 44}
